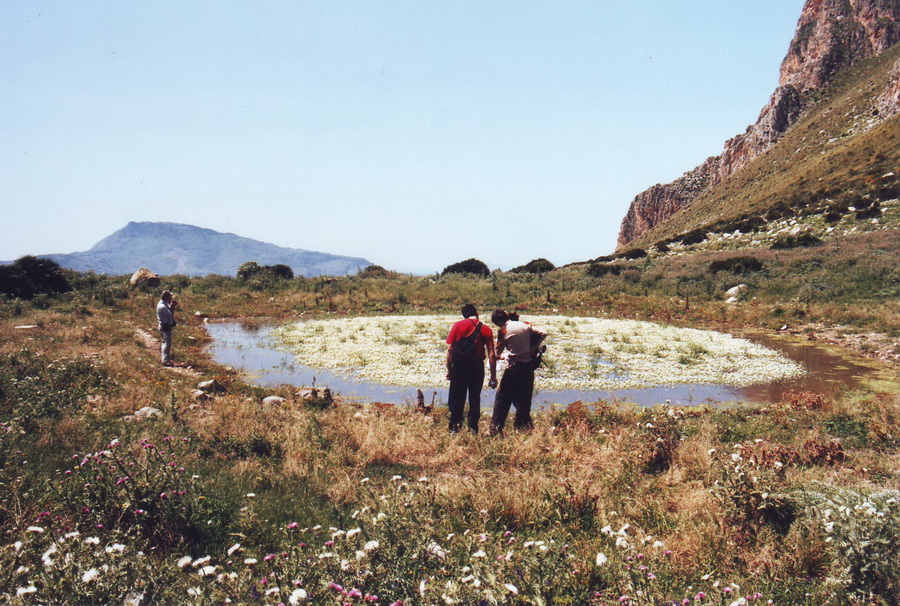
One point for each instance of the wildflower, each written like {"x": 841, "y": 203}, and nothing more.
{"x": 739, "y": 602}
{"x": 292, "y": 525}
{"x": 371, "y": 546}
{"x": 436, "y": 550}
{"x": 601, "y": 559}
{"x": 90, "y": 575}
{"x": 511, "y": 588}
{"x": 250, "y": 561}
{"x": 182, "y": 562}
{"x": 423, "y": 479}
{"x": 296, "y": 596}
{"x": 233, "y": 548}
{"x": 115, "y": 548}
{"x": 201, "y": 561}
{"x": 25, "y": 590}
{"x": 250, "y": 495}
{"x": 48, "y": 562}
{"x": 658, "y": 544}
{"x": 353, "y": 532}
{"x": 354, "y": 593}
{"x": 273, "y": 591}
{"x": 479, "y": 554}
{"x": 364, "y": 480}
{"x": 206, "y": 570}
{"x": 36, "y": 529}
{"x": 195, "y": 592}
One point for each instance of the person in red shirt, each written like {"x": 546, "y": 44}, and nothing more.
{"x": 470, "y": 343}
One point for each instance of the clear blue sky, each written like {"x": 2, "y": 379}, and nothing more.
{"x": 412, "y": 133}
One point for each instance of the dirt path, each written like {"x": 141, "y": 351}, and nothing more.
{"x": 151, "y": 343}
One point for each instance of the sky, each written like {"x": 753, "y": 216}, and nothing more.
{"x": 414, "y": 134}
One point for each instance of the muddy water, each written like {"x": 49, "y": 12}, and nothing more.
{"x": 251, "y": 349}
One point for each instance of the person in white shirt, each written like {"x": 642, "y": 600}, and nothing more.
{"x": 521, "y": 342}
{"x": 165, "y": 315}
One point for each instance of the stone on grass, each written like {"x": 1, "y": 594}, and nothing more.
{"x": 273, "y": 401}
{"x": 146, "y": 413}
{"x": 211, "y": 386}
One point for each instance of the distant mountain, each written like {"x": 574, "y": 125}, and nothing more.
{"x": 174, "y": 248}
{"x": 829, "y": 128}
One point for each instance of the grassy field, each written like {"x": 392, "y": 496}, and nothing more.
{"x": 222, "y": 499}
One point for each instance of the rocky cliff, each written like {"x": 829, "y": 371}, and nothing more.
{"x": 831, "y": 35}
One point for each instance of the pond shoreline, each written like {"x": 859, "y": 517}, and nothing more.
{"x": 830, "y": 374}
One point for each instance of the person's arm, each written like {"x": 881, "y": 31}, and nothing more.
{"x": 492, "y": 361}
{"x": 449, "y": 359}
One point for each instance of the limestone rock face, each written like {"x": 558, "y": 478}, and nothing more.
{"x": 831, "y": 35}
{"x": 889, "y": 101}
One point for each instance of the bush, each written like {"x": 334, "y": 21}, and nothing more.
{"x": 795, "y": 241}
{"x": 537, "y": 266}
{"x": 863, "y": 533}
{"x": 34, "y": 387}
{"x": 148, "y": 493}
{"x": 693, "y": 237}
{"x": 599, "y": 270}
{"x": 738, "y": 266}
{"x": 30, "y": 276}
{"x": 469, "y": 266}
{"x": 634, "y": 253}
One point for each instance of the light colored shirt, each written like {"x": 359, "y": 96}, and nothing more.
{"x": 519, "y": 338}
{"x": 164, "y": 315}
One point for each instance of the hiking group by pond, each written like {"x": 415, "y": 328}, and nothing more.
{"x": 471, "y": 342}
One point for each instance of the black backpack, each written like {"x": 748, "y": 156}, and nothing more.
{"x": 464, "y": 348}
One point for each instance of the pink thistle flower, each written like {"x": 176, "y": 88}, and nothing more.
{"x": 293, "y": 525}
{"x": 700, "y": 596}
{"x": 269, "y": 557}
{"x": 354, "y": 593}
{"x": 329, "y": 543}
{"x": 336, "y": 587}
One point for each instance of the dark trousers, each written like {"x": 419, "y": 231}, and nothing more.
{"x": 516, "y": 388}
{"x": 466, "y": 377}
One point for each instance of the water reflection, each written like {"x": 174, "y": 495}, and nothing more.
{"x": 250, "y": 347}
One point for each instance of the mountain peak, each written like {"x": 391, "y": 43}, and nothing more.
{"x": 170, "y": 248}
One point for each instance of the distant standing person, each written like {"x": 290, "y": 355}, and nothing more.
{"x": 521, "y": 341}
{"x": 165, "y": 315}
{"x": 470, "y": 343}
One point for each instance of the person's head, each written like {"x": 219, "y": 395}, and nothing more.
{"x": 513, "y": 316}
{"x": 499, "y": 317}
{"x": 166, "y": 296}
{"x": 468, "y": 311}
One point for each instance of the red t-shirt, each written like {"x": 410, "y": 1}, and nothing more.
{"x": 464, "y": 328}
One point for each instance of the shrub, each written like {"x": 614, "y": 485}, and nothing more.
{"x": 863, "y": 534}
{"x": 30, "y": 276}
{"x": 635, "y": 253}
{"x": 146, "y": 493}
{"x": 598, "y": 270}
{"x": 34, "y": 387}
{"x": 537, "y": 266}
{"x": 281, "y": 271}
{"x": 738, "y": 266}
{"x": 693, "y": 237}
{"x": 795, "y": 241}
{"x": 248, "y": 269}
{"x": 469, "y": 266}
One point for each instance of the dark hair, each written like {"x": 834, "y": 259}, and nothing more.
{"x": 499, "y": 317}
{"x": 468, "y": 310}
{"x": 165, "y": 294}
{"x": 513, "y": 316}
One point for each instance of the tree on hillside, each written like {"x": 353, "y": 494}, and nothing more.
{"x": 30, "y": 276}
{"x": 469, "y": 266}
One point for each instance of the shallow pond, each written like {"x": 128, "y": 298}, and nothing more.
{"x": 251, "y": 348}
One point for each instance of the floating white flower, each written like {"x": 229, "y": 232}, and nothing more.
{"x": 591, "y": 353}
{"x": 90, "y": 575}
{"x": 296, "y": 596}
